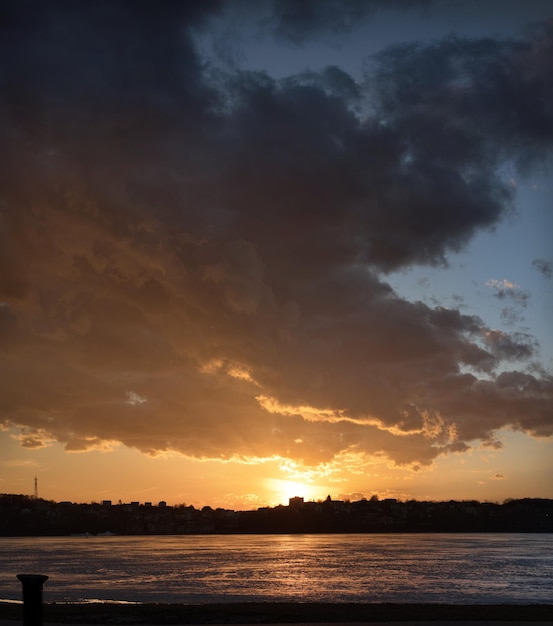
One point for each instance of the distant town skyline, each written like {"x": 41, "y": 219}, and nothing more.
{"x": 23, "y": 516}
{"x": 257, "y": 250}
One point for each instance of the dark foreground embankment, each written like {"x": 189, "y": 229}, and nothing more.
{"x": 278, "y": 612}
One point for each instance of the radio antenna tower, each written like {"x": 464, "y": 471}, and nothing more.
{"x": 36, "y": 488}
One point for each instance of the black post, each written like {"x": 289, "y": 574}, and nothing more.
{"x": 32, "y": 598}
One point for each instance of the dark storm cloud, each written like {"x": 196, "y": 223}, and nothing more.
{"x": 101, "y": 57}
{"x": 461, "y": 107}
{"x": 190, "y": 260}
{"x": 299, "y": 21}
{"x": 499, "y": 86}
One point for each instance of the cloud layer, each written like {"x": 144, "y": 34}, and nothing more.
{"x": 195, "y": 261}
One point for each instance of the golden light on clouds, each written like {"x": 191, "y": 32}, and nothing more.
{"x": 216, "y": 273}
{"x": 307, "y": 412}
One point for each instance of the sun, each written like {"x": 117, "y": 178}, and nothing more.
{"x": 280, "y": 491}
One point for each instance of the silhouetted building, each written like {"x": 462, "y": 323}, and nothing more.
{"x": 295, "y": 502}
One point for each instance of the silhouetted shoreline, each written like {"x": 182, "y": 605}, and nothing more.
{"x": 277, "y": 612}
{"x": 25, "y": 516}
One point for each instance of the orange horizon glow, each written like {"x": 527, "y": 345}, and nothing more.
{"x": 128, "y": 475}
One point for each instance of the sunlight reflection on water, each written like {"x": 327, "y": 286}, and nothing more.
{"x": 453, "y": 568}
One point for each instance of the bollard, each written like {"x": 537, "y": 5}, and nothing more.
{"x": 32, "y": 598}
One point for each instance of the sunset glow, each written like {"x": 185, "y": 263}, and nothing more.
{"x": 286, "y": 489}
{"x": 249, "y": 253}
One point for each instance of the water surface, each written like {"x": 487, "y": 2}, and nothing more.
{"x": 448, "y": 568}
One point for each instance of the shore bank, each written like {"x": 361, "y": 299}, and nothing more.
{"x": 279, "y": 613}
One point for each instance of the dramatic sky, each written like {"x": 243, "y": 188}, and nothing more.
{"x": 257, "y": 249}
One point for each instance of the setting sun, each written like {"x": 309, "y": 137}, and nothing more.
{"x": 282, "y": 490}
{"x": 227, "y": 282}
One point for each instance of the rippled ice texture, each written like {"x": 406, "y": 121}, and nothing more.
{"x": 450, "y": 568}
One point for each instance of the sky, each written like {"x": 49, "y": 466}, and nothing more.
{"x": 257, "y": 250}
